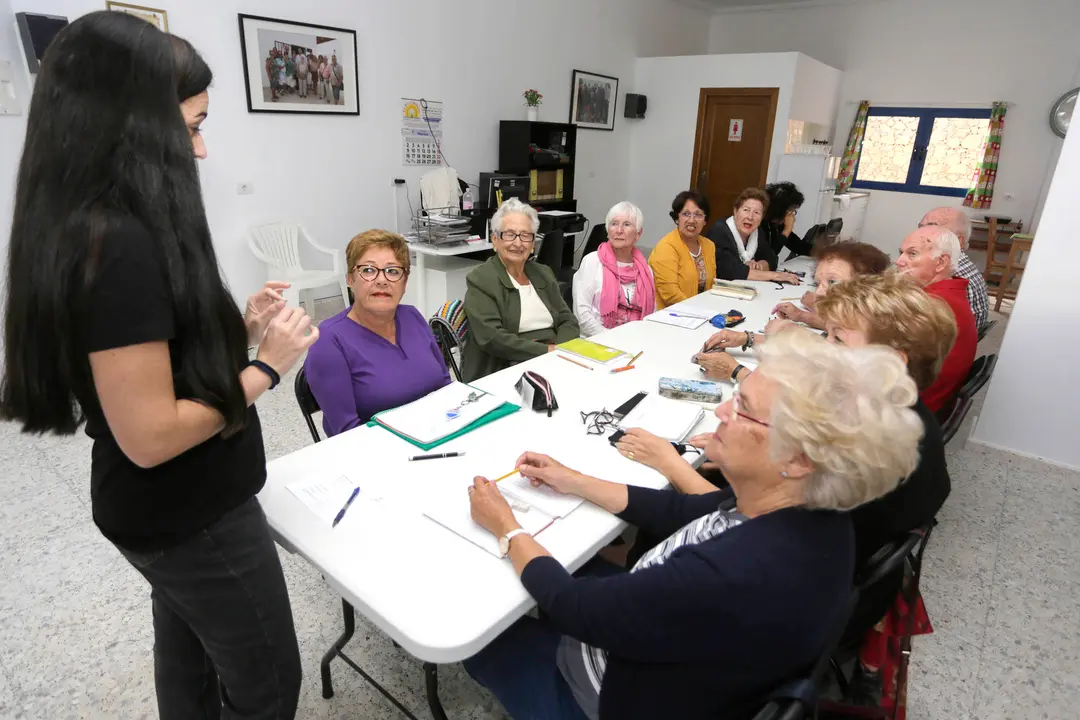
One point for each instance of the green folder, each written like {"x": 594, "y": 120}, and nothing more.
{"x": 501, "y": 411}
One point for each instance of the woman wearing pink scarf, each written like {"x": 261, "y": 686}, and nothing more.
{"x": 614, "y": 285}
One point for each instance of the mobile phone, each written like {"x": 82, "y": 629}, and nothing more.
{"x": 624, "y": 409}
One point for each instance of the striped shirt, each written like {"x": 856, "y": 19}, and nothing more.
{"x": 976, "y": 290}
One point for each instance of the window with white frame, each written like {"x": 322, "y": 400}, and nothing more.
{"x": 933, "y": 151}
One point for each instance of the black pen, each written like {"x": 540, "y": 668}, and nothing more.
{"x": 436, "y": 456}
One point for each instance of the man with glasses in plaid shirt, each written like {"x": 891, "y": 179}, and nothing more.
{"x": 957, "y": 220}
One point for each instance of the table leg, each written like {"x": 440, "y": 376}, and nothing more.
{"x": 335, "y": 649}
{"x": 421, "y": 293}
{"x": 431, "y": 677}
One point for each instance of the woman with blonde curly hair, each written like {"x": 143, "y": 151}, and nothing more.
{"x": 733, "y": 602}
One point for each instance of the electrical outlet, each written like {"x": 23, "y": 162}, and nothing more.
{"x": 245, "y": 188}
{"x": 1009, "y": 197}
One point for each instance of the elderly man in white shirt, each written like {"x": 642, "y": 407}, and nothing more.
{"x": 614, "y": 285}
{"x": 957, "y": 220}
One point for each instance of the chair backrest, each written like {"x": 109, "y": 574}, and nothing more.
{"x": 277, "y": 245}
{"x": 307, "y": 402}
{"x": 597, "y": 236}
{"x": 979, "y": 374}
{"x": 985, "y": 329}
{"x": 447, "y": 341}
{"x": 887, "y": 559}
{"x": 453, "y": 313}
{"x": 551, "y": 250}
{"x": 952, "y": 415}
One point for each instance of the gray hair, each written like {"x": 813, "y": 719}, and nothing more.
{"x": 847, "y": 410}
{"x": 511, "y": 206}
{"x": 943, "y": 241}
{"x": 628, "y": 209}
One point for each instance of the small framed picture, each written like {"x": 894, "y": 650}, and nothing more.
{"x": 296, "y": 67}
{"x": 592, "y": 100}
{"x": 157, "y": 18}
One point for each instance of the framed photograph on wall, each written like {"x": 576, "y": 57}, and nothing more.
{"x": 157, "y": 18}
{"x": 592, "y": 100}
{"x": 295, "y": 67}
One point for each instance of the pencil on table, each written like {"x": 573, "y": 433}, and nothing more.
{"x": 512, "y": 472}
{"x": 634, "y": 359}
{"x": 580, "y": 364}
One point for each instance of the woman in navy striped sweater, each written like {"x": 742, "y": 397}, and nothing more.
{"x": 734, "y": 602}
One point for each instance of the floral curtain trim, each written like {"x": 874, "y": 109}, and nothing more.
{"x": 981, "y": 193}
{"x": 852, "y": 149}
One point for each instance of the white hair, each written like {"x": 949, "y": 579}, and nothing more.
{"x": 961, "y": 225}
{"x": 628, "y": 209}
{"x": 847, "y": 410}
{"x": 511, "y": 206}
{"x": 943, "y": 241}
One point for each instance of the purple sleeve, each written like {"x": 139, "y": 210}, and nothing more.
{"x": 330, "y": 379}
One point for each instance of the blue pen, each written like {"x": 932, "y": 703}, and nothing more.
{"x": 341, "y": 512}
{"x": 696, "y": 317}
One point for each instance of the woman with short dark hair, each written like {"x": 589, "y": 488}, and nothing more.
{"x": 684, "y": 261}
{"x": 740, "y": 253}
{"x": 778, "y": 228}
{"x": 111, "y": 252}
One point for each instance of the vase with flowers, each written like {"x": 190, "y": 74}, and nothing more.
{"x": 533, "y": 98}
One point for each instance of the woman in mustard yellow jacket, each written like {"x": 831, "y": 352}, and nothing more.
{"x": 684, "y": 261}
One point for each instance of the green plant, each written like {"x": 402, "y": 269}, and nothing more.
{"x": 532, "y": 97}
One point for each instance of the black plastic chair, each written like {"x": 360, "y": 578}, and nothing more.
{"x": 799, "y": 698}
{"x": 597, "y": 236}
{"x": 307, "y": 402}
{"x": 952, "y": 415}
{"x": 985, "y": 329}
{"x": 979, "y": 374}
{"x": 447, "y": 341}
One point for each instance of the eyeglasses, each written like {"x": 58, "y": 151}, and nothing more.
{"x": 510, "y": 236}
{"x": 599, "y": 422}
{"x": 687, "y": 215}
{"x": 370, "y": 273}
{"x": 735, "y": 410}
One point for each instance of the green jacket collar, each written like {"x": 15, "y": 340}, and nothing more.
{"x": 532, "y": 271}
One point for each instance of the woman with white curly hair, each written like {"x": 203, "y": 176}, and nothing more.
{"x": 733, "y": 602}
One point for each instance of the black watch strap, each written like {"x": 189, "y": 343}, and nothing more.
{"x": 275, "y": 379}
{"x": 735, "y": 373}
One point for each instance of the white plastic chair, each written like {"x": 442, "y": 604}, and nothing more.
{"x": 278, "y": 245}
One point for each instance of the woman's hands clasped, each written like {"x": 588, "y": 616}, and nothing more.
{"x": 262, "y": 307}
{"x": 288, "y": 335}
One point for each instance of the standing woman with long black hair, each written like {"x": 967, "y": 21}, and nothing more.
{"x": 117, "y": 315}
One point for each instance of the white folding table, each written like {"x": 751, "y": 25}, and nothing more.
{"x": 436, "y": 594}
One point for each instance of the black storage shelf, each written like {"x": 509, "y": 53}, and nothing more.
{"x": 515, "y": 136}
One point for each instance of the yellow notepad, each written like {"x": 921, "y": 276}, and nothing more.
{"x": 590, "y": 350}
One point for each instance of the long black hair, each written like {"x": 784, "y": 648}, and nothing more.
{"x": 106, "y": 140}
{"x": 783, "y": 196}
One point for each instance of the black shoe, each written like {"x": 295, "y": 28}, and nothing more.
{"x": 865, "y": 688}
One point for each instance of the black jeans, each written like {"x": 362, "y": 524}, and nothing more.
{"x": 224, "y": 642}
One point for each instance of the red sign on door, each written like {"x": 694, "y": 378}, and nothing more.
{"x": 734, "y": 133}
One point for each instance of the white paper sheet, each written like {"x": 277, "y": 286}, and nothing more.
{"x": 690, "y": 322}
{"x": 324, "y": 495}
{"x": 542, "y": 498}
{"x": 440, "y": 413}
{"x": 451, "y": 509}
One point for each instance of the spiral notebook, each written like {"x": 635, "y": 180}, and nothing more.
{"x": 670, "y": 419}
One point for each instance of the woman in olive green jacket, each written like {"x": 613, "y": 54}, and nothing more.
{"x": 515, "y": 309}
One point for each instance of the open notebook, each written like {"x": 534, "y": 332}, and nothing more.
{"x": 439, "y": 414}
{"x": 534, "y": 508}
{"x": 670, "y": 419}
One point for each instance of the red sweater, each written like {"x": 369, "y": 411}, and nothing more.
{"x": 954, "y": 370}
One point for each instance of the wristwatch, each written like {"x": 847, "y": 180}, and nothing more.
{"x": 504, "y": 541}
{"x": 735, "y": 373}
{"x": 749, "y": 341}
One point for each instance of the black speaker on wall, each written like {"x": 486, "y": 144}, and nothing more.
{"x": 635, "y": 106}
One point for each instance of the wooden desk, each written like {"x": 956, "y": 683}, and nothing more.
{"x": 993, "y": 237}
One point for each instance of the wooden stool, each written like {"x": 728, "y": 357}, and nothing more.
{"x": 1020, "y": 245}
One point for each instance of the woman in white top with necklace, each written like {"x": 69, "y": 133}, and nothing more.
{"x": 614, "y": 285}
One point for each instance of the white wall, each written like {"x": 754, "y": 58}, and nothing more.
{"x": 907, "y": 52}
{"x": 816, "y": 92}
{"x": 1032, "y": 405}
{"x": 473, "y": 55}
{"x": 662, "y": 144}
{"x": 12, "y": 127}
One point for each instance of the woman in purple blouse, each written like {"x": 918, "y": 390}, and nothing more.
{"x": 378, "y": 354}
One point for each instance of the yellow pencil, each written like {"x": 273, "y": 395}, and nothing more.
{"x": 633, "y": 359}
{"x": 512, "y": 472}
{"x": 790, "y": 299}
{"x": 579, "y": 364}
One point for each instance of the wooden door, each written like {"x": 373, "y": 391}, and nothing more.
{"x": 725, "y": 163}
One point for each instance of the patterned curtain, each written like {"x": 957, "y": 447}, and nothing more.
{"x": 852, "y": 149}
{"x": 981, "y": 193}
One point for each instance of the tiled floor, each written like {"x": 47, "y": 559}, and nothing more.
{"x": 1002, "y": 578}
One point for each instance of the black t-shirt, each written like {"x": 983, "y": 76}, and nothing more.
{"x": 130, "y": 303}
